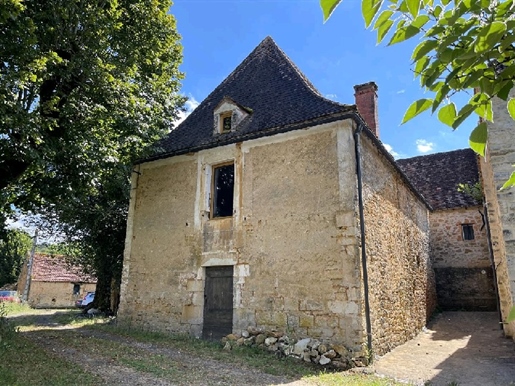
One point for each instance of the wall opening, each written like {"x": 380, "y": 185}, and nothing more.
{"x": 223, "y": 190}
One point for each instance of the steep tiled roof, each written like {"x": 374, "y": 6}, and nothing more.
{"x": 277, "y": 95}
{"x": 436, "y": 177}
{"x": 55, "y": 269}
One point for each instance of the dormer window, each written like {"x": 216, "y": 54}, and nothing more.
{"x": 228, "y": 115}
{"x": 225, "y": 122}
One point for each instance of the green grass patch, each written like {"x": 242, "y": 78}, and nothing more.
{"x": 22, "y": 363}
{"x": 239, "y": 355}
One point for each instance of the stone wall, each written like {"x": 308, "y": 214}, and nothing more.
{"x": 495, "y": 170}
{"x": 291, "y": 240}
{"x": 400, "y": 275}
{"x": 464, "y": 275}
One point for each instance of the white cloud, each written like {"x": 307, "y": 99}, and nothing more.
{"x": 190, "y": 105}
{"x": 391, "y": 151}
{"x": 401, "y": 91}
{"x": 331, "y": 96}
{"x": 424, "y": 146}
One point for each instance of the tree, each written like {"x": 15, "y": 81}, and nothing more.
{"x": 94, "y": 226}
{"x": 86, "y": 87}
{"x": 83, "y": 85}
{"x": 464, "y": 45}
{"x": 14, "y": 246}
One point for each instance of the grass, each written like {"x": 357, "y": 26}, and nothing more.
{"x": 176, "y": 358}
{"x": 248, "y": 356}
{"x": 23, "y": 363}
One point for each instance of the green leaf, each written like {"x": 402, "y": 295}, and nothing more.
{"x": 403, "y": 33}
{"x": 421, "y": 65}
{"x": 463, "y": 114}
{"x": 328, "y": 7}
{"x": 416, "y": 108}
{"x": 423, "y": 48}
{"x": 447, "y": 114}
{"x": 383, "y": 30}
{"x": 440, "y": 95}
{"x": 489, "y": 35}
{"x": 383, "y": 25}
{"x": 478, "y": 137}
{"x": 369, "y": 9}
{"x": 507, "y": 184}
{"x": 413, "y": 6}
{"x": 504, "y": 92}
{"x": 483, "y": 106}
{"x": 511, "y": 108}
{"x": 511, "y": 316}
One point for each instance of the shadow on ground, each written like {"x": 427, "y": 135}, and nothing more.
{"x": 464, "y": 348}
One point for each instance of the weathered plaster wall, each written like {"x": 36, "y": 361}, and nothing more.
{"x": 55, "y": 294}
{"x": 163, "y": 250}
{"x": 291, "y": 240}
{"x": 464, "y": 276}
{"x": 401, "y": 279}
{"x": 300, "y": 239}
{"x": 495, "y": 170}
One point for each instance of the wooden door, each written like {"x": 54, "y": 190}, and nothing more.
{"x": 218, "y": 302}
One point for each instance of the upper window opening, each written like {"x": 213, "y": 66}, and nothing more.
{"x": 76, "y": 289}
{"x": 467, "y": 231}
{"x": 223, "y": 190}
{"x": 226, "y": 122}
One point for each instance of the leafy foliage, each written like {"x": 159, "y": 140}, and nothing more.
{"x": 14, "y": 246}
{"x": 86, "y": 87}
{"x": 464, "y": 45}
{"x": 83, "y": 85}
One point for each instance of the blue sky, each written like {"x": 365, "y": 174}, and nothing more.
{"x": 217, "y": 35}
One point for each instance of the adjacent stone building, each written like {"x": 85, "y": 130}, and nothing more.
{"x": 496, "y": 169}
{"x": 53, "y": 282}
{"x": 459, "y": 234}
{"x": 271, "y": 206}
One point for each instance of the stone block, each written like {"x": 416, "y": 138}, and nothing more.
{"x": 311, "y": 305}
{"x": 192, "y": 314}
{"x": 306, "y": 321}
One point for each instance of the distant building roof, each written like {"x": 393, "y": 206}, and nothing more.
{"x": 436, "y": 177}
{"x": 54, "y": 268}
{"x": 271, "y": 88}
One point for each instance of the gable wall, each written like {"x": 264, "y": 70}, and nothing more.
{"x": 400, "y": 275}
{"x": 291, "y": 240}
{"x": 464, "y": 276}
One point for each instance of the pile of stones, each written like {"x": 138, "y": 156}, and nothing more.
{"x": 307, "y": 349}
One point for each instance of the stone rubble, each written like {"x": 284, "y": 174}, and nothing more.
{"x": 309, "y": 350}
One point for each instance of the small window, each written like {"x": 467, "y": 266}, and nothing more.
{"x": 223, "y": 190}
{"x": 76, "y": 289}
{"x": 467, "y": 231}
{"x": 226, "y": 122}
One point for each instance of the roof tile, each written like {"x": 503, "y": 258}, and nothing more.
{"x": 55, "y": 268}
{"x": 436, "y": 177}
{"x": 267, "y": 84}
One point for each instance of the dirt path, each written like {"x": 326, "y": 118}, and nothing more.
{"x": 191, "y": 370}
{"x": 463, "y": 348}
{"x": 458, "y": 348}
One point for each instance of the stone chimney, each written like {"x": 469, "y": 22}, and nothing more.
{"x": 366, "y": 102}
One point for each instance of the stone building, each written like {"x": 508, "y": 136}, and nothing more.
{"x": 496, "y": 169}
{"x": 458, "y": 231}
{"x": 271, "y": 206}
{"x": 53, "y": 282}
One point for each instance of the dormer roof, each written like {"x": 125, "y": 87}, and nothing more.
{"x": 271, "y": 88}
